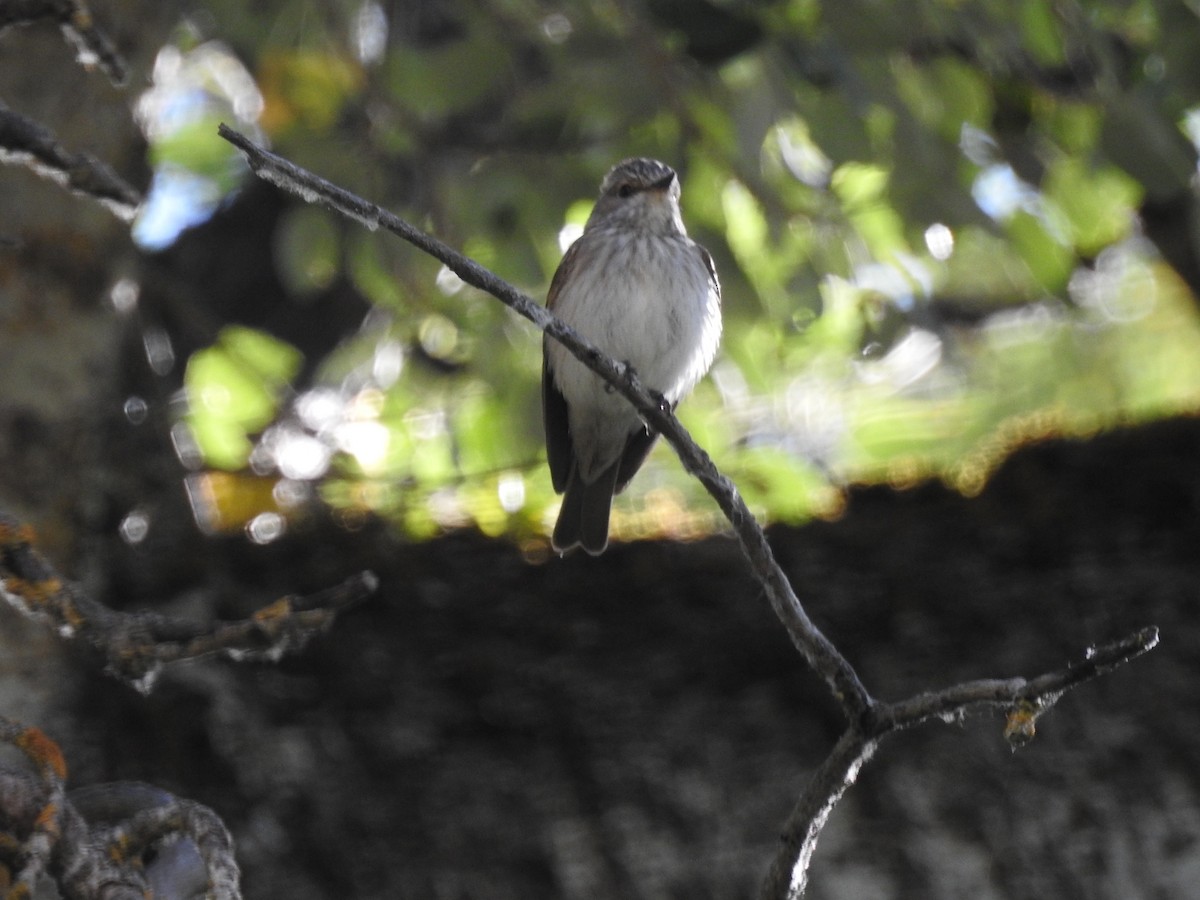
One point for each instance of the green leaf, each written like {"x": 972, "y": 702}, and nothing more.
{"x": 305, "y": 86}
{"x": 1039, "y": 27}
{"x": 367, "y": 257}
{"x": 862, "y": 189}
{"x": 1049, "y": 261}
{"x": 1098, "y": 202}
{"x": 197, "y": 148}
{"x": 233, "y": 390}
{"x": 749, "y": 238}
{"x": 1075, "y": 127}
{"x": 272, "y": 360}
{"x": 945, "y": 95}
{"x": 784, "y": 484}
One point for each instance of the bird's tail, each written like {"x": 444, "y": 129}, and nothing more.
{"x": 583, "y": 517}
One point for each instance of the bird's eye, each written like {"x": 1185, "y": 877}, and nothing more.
{"x": 625, "y": 190}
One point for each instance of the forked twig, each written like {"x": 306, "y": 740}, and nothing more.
{"x": 137, "y": 645}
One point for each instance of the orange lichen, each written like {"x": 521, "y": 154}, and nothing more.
{"x": 42, "y": 750}
{"x": 47, "y": 820}
{"x": 275, "y": 612}
{"x": 14, "y": 534}
{"x": 1020, "y": 726}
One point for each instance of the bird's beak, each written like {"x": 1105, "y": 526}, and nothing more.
{"x": 663, "y": 183}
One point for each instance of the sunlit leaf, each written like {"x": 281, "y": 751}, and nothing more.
{"x": 860, "y": 185}
{"x": 272, "y": 360}
{"x": 307, "y": 87}
{"x": 747, "y": 234}
{"x": 1049, "y": 260}
{"x": 863, "y": 191}
{"x": 1039, "y": 27}
{"x": 1074, "y": 126}
{"x": 944, "y": 94}
{"x": 233, "y": 390}
{"x": 1097, "y": 202}
{"x": 786, "y": 485}
{"x": 811, "y": 163}
{"x": 223, "y": 443}
{"x": 197, "y": 148}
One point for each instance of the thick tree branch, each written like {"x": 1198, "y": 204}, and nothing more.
{"x": 789, "y": 871}
{"x": 42, "y": 837}
{"x": 200, "y": 856}
{"x": 868, "y": 720}
{"x": 93, "y": 843}
{"x": 137, "y": 645}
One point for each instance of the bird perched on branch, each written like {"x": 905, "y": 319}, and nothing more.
{"x": 642, "y": 291}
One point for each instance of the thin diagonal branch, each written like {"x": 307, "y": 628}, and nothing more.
{"x": 817, "y": 650}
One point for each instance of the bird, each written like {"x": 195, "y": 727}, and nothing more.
{"x": 638, "y": 288}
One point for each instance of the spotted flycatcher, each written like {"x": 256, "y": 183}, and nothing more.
{"x": 641, "y": 290}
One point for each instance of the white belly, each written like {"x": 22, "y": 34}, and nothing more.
{"x": 649, "y": 302}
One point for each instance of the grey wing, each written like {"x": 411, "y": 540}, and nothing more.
{"x": 712, "y": 270}
{"x": 559, "y": 450}
{"x": 637, "y": 448}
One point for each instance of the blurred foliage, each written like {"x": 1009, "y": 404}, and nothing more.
{"x": 927, "y": 216}
{"x": 233, "y": 389}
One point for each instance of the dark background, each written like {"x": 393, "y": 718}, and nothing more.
{"x": 638, "y": 725}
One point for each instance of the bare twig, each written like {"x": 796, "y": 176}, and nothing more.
{"x": 1025, "y": 700}
{"x": 92, "y": 46}
{"x": 24, "y": 141}
{"x": 867, "y": 719}
{"x": 1041, "y": 692}
{"x": 137, "y": 645}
